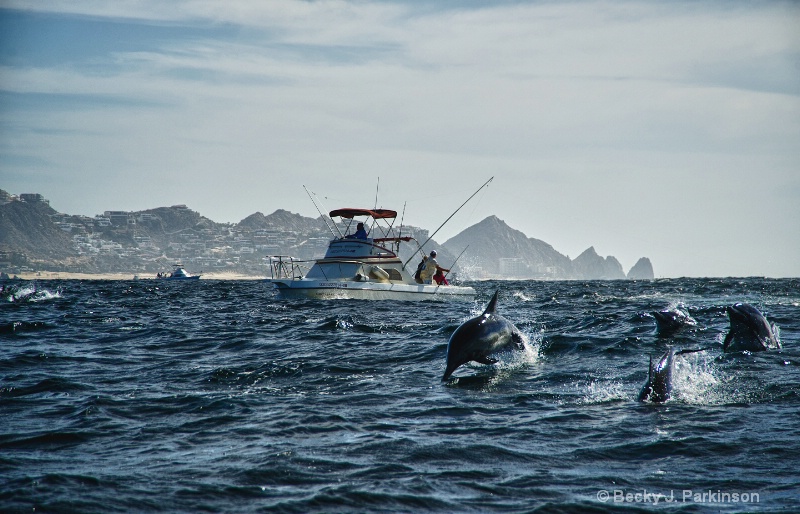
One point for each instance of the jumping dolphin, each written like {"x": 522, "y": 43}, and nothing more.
{"x": 659, "y": 378}
{"x": 671, "y": 320}
{"x": 481, "y": 336}
{"x": 749, "y": 330}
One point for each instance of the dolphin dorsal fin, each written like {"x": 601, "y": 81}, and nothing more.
{"x": 492, "y": 304}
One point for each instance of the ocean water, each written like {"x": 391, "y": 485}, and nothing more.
{"x": 217, "y": 396}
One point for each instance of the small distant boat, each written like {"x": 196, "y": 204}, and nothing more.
{"x": 179, "y": 273}
{"x": 359, "y": 267}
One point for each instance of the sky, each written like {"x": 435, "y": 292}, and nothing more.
{"x": 667, "y": 130}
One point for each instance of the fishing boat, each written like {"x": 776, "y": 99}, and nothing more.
{"x": 359, "y": 267}
{"x": 179, "y": 273}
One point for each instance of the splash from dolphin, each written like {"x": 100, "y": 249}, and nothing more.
{"x": 658, "y": 388}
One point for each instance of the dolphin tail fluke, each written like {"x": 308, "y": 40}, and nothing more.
{"x": 492, "y": 304}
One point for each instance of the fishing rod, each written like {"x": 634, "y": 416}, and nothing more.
{"x": 374, "y": 221}
{"x": 455, "y": 261}
{"x": 402, "y": 217}
{"x": 448, "y": 219}
{"x": 322, "y": 215}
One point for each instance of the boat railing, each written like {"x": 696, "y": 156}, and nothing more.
{"x": 284, "y": 266}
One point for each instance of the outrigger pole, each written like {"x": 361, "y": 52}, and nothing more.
{"x": 323, "y": 216}
{"x": 402, "y": 217}
{"x": 448, "y": 219}
{"x": 374, "y": 221}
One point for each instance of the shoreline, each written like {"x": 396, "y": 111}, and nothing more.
{"x": 55, "y": 275}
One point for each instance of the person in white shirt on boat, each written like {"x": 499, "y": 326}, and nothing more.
{"x": 430, "y": 268}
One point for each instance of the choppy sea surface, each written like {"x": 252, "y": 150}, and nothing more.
{"x": 217, "y": 396}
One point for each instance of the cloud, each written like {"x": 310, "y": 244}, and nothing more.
{"x": 593, "y": 115}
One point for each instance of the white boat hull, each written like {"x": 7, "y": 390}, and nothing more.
{"x": 347, "y": 289}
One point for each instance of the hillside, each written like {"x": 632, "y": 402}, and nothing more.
{"x": 27, "y": 229}
{"x": 283, "y": 220}
{"x": 175, "y": 219}
{"x": 35, "y": 236}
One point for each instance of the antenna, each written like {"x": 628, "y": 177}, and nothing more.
{"x": 377, "y": 187}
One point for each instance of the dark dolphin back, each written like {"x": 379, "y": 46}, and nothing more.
{"x": 669, "y": 321}
{"x": 749, "y": 330}
{"x": 647, "y": 389}
{"x": 460, "y": 348}
{"x": 659, "y": 379}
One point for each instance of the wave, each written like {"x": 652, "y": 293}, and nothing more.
{"x": 26, "y": 293}
{"x": 220, "y": 397}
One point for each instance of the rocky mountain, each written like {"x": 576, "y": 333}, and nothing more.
{"x": 35, "y": 235}
{"x": 505, "y": 252}
{"x": 642, "y": 270}
{"x": 501, "y": 251}
{"x": 590, "y": 265}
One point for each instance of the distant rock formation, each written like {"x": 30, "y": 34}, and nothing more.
{"x": 591, "y": 266}
{"x": 501, "y": 251}
{"x": 642, "y": 270}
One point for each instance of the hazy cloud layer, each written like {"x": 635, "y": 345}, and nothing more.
{"x": 643, "y": 128}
